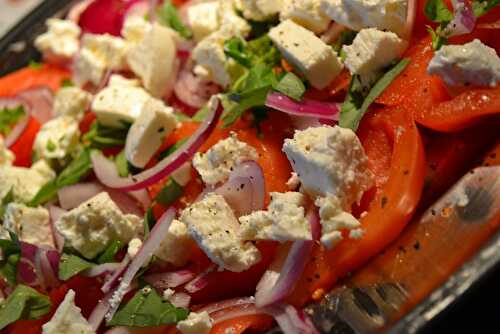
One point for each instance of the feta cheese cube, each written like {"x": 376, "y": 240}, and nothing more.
{"x": 31, "y": 225}
{"x": 87, "y": 68}
{"x": 7, "y": 157}
{"x": 359, "y": 14}
{"x": 135, "y": 28}
{"x": 61, "y": 41}
{"x": 209, "y": 55}
{"x": 307, "y": 53}
{"x": 91, "y": 226}
{"x": 146, "y": 135}
{"x": 283, "y": 221}
{"x": 57, "y": 139}
{"x": 68, "y": 318}
{"x": 260, "y": 10}
{"x": 330, "y": 160}
{"x": 306, "y": 13}
{"x": 203, "y": 19}
{"x": 196, "y": 323}
{"x": 115, "y": 105}
{"x": 133, "y": 247}
{"x": 154, "y": 60}
{"x": 371, "y": 51}
{"x": 25, "y": 182}
{"x": 177, "y": 245}
{"x": 119, "y": 80}
{"x": 470, "y": 64}
{"x": 215, "y": 165}
{"x": 213, "y": 225}
{"x": 71, "y": 101}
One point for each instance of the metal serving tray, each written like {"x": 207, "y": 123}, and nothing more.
{"x": 381, "y": 303}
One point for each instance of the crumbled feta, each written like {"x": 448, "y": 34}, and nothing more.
{"x": 71, "y": 101}
{"x": 359, "y": 14}
{"x": 176, "y": 246}
{"x": 231, "y": 24}
{"x": 90, "y": 227}
{"x": 203, "y": 19}
{"x": 213, "y": 225}
{"x": 61, "y": 41}
{"x": 293, "y": 182}
{"x": 470, "y": 64}
{"x": 330, "y": 160}
{"x": 183, "y": 174}
{"x": 333, "y": 220}
{"x": 98, "y": 54}
{"x": 209, "y": 55}
{"x": 284, "y": 220}
{"x": 146, "y": 135}
{"x": 115, "y": 105}
{"x": 133, "y": 247}
{"x": 154, "y": 60}
{"x": 57, "y": 139}
{"x": 119, "y": 80}
{"x": 167, "y": 294}
{"x": 25, "y": 182}
{"x": 196, "y": 323}
{"x": 68, "y": 319}
{"x": 215, "y": 165}
{"x": 306, "y": 52}
{"x": 135, "y": 28}
{"x": 31, "y": 225}
{"x": 371, "y": 51}
{"x": 260, "y": 10}
{"x": 7, "y": 157}
{"x": 307, "y": 13}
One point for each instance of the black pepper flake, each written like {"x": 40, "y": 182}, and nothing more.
{"x": 406, "y": 172}
{"x": 295, "y": 44}
{"x": 432, "y": 166}
{"x": 433, "y": 212}
{"x": 161, "y": 129}
{"x": 425, "y": 90}
{"x": 317, "y": 276}
{"x": 416, "y": 245}
{"x": 383, "y": 202}
{"x": 309, "y": 279}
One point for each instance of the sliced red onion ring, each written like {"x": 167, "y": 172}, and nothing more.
{"x": 200, "y": 281}
{"x": 170, "y": 279}
{"x": 290, "y": 320}
{"x": 242, "y": 310}
{"x": 102, "y": 269}
{"x": 333, "y": 32}
{"x": 180, "y": 299}
{"x": 310, "y": 108}
{"x": 218, "y": 306}
{"x": 40, "y": 100}
{"x": 245, "y": 189}
{"x": 38, "y": 266}
{"x": 411, "y": 13}
{"x": 47, "y": 269}
{"x": 120, "y": 330}
{"x": 107, "y": 174}
{"x": 18, "y": 129}
{"x": 147, "y": 250}
{"x": 113, "y": 280}
{"x": 192, "y": 89}
{"x": 463, "y": 21}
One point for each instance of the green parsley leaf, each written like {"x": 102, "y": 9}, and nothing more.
{"x": 355, "y": 106}
{"x": 122, "y": 164}
{"x": 437, "y": 39}
{"x": 481, "y": 7}
{"x": 168, "y": 16}
{"x": 71, "y": 265}
{"x": 236, "y": 48}
{"x": 109, "y": 253}
{"x": 9, "y": 117}
{"x": 149, "y": 221}
{"x": 147, "y": 309}
{"x": 101, "y": 136}
{"x": 437, "y": 11}
{"x": 23, "y": 303}
{"x": 11, "y": 254}
{"x": 257, "y": 51}
{"x": 292, "y": 86}
{"x": 8, "y": 198}
{"x": 171, "y": 192}
{"x": 67, "y": 83}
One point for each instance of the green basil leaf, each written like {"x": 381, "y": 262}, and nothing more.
{"x": 437, "y": 11}
{"x": 71, "y": 265}
{"x": 100, "y": 136}
{"x": 147, "y": 309}
{"x": 236, "y": 48}
{"x": 76, "y": 170}
{"x": 352, "y": 111}
{"x": 171, "y": 192}
{"x": 109, "y": 253}
{"x": 9, "y": 117}
{"x": 168, "y": 16}
{"x": 243, "y": 102}
{"x": 23, "y": 303}
{"x": 292, "y": 86}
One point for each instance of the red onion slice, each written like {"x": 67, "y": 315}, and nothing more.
{"x": 333, "y": 32}
{"x": 290, "y": 320}
{"x": 180, "y": 299}
{"x": 222, "y": 305}
{"x": 200, "y": 281}
{"x": 40, "y": 100}
{"x": 306, "y": 107}
{"x": 171, "y": 279}
{"x": 101, "y": 269}
{"x": 192, "y": 89}
{"x": 242, "y": 310}
{"x": 72, "y": 196}
{"x": 56, "y": 212}
{"x": 139, "y": 8}
{"x": 107, "y": 174}
{"x": 38, "y": 266}
{"x": 112, "y": 281}
{"x": 463, "y": 21}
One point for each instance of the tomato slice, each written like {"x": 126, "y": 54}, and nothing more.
{"x": 28, "y": 77}
{"x": 257, "y": 323}
{"x": 23, "y": 146}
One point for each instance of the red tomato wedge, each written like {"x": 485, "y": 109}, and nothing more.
{"x": 28, "y": 77}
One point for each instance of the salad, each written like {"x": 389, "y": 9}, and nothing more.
{"x": 213, "y": 166}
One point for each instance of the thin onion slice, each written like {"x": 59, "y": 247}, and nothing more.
{"x": 222, "y": 305}
{"x": 170, "y": 279}
{"x": 112, "y": 281}
{"x": 411, "y": 14}
{"x": 192, "y": 89}
{"x": 55, "y": 212}
{"x": 306, "y": 107}
{"x": 463, "y": 21}
{"x": 107, "y": 174}
{"x": 101, "y": 269}
{"x": 38, "y": 266}
{"x": 40, "y": 100}
{"x": 290, "y": 320}
{"x": 200, "y": 281}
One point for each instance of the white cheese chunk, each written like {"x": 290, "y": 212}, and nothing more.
{"x": 231, "y": 23}
{"x": 91, "y": 226}
{"x": 470, "y": 64}
{"x": 284, "y": 220}
{"x": 24, "y": 182}
{"x": 167, "y": 294}
{"x": 260, "y": 10}
{"x": 213, "y": 225}
{"x": 371, "y": 51}
{"x": 359, "y": 14}
{"x": 61, "y": 41}
{"x": 57, "y": 139}
{"x": 203, "y": 18}
{"x": 146, "y": 135}
{"x": 209, "y": 55}
{"x": 176, "y": 246}
{"x": 117, "y": 104}
{"x": 133, "y": 247}
{"x": 196, "y": 323}
{"x": 307, "y": 53}
{"x": 68, "y": 319}
{"x": 7, "y": 157}
{"x": 330, "y": 160}
{"x": 215, "y": 165}
{"x": 31, "y": 225}
{"x": 154, "y": 60}
{"x": 135, "y": 28}
{"x": 119, "y": 80}
{"x": 71, "y": 101}
{"x": 307, "y": 13}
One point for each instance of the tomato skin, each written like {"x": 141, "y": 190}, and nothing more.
{"x": 28, "y": 77}
{"x": 23, "y": 146}
{"x": 258, "y": 323}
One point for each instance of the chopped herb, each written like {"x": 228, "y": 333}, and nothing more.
{"x": 51, "y": 147}
{"x": 122, "y": 164}
{"x": 147, "y": 309}
{"x": 437, "y": 11}
{"x": 356, "y": 105}
{"x": 11, "y": 254}
{"x": 34, "y": 65}
{"x": 149, "y": 221}
{"x": 110, "y": 252}
{"x": 23, "y": 303}
{"x": 292, "y": 86}
{"x": 8, "y": 198}
{"x": 101, "y": 136}
{"x": 346, "y": 38}
{"x": 243, "y": 102}
{"x": 71, "y": 265}
{"x": 67, "y": 83}
{"x": 171, "y": 192}
{"x": 481, "y": 7}
{"x": 168, "y": 16}
{"x": 9, "y": 117}
{"x": 200, "y": 115}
